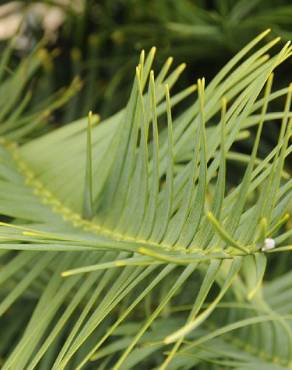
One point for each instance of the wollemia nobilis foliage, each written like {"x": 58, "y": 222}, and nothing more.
{"x": 123, "y": 244}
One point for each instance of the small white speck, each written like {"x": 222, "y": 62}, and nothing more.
{"x": 269, "y": 243}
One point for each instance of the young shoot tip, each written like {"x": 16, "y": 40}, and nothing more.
{"x": 193, "y": 87}
{"x": 210, "y": 215}
{"x": 153, "y": 49}
{"x": 278, "y": 38}
{"x": 30, "y": 233}
{"x": 224, "y": 101}
{"x": 266, "y": 57}
{"x": 201, "y": 84}
{"x": 267, "y": 31}
{"x": 182, "y": 67}
{"x": 92, "y": 119}
{"x": 142, "y": 56}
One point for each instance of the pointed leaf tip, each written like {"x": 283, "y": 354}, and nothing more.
{"x": 88, "y": 185}
{"x": 224, "y": 101}
{"x": 182, "y": 67}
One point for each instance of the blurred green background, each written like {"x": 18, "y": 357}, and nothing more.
{"x": 101, "y": 40}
